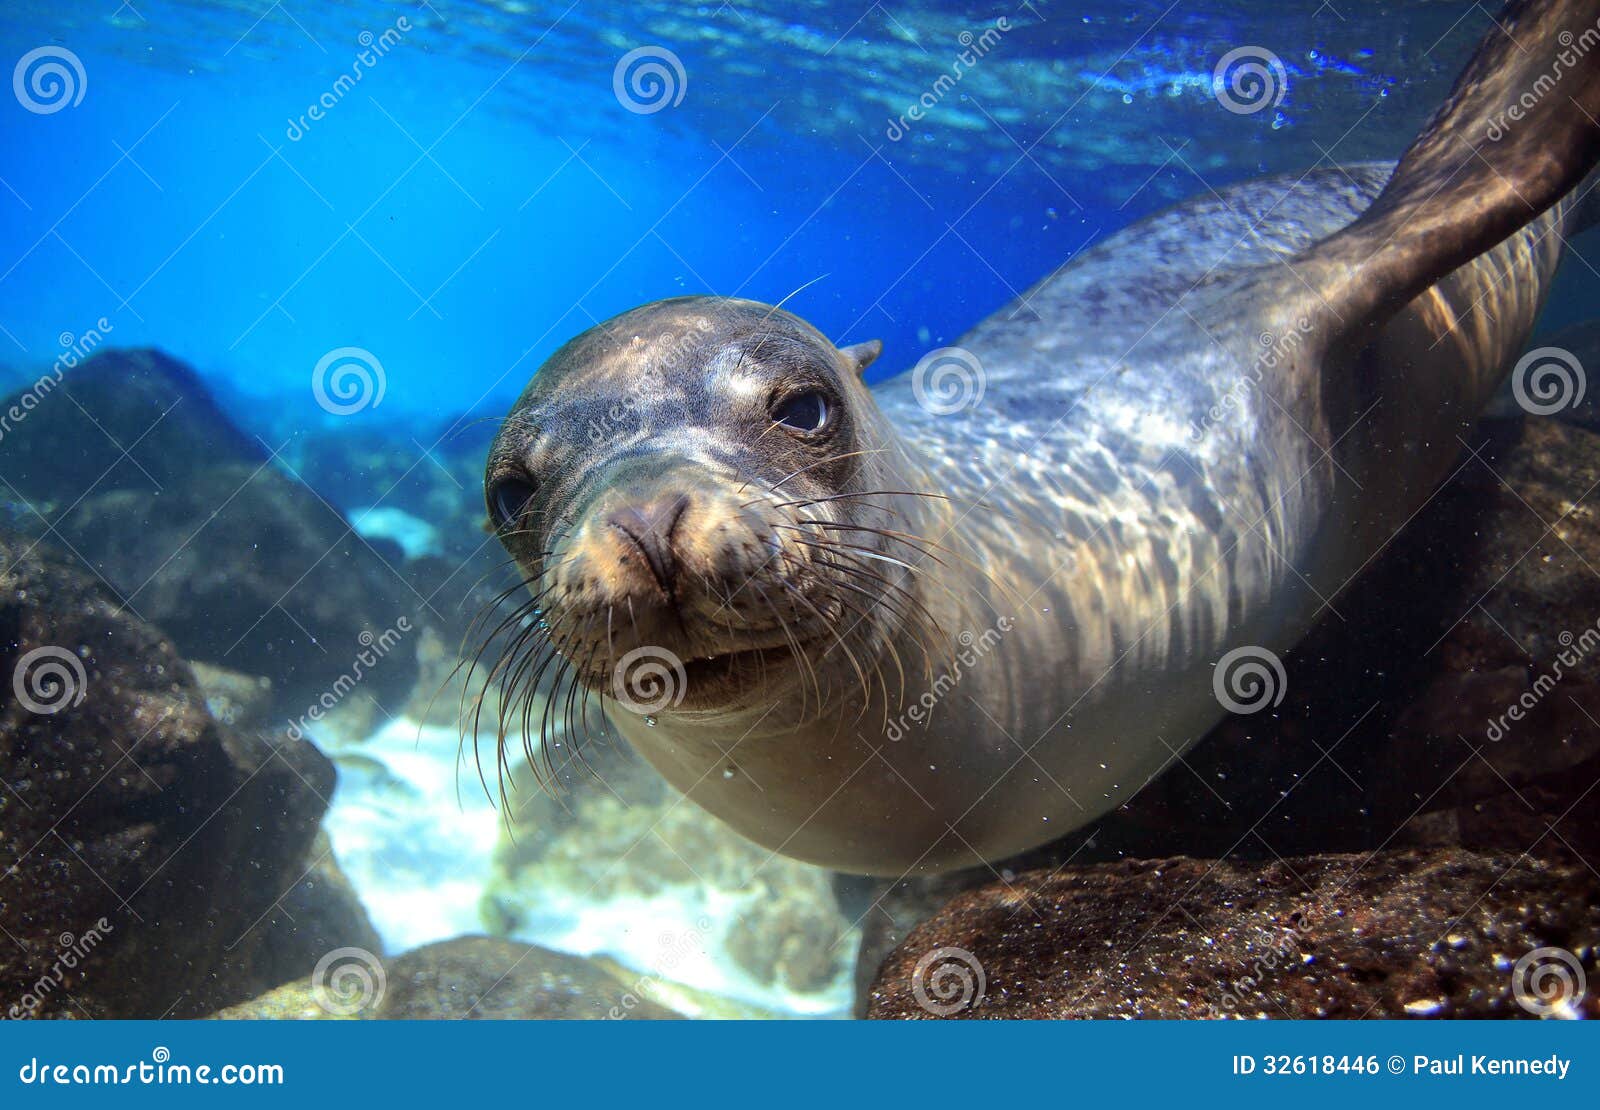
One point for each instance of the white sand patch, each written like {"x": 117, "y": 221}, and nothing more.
{"x": 415, "y": 536}
{"x": 418, "y": 856}
{"x": 679, "y": 937}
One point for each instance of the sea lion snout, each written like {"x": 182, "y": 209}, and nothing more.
{"x": 680, "y": 561}
{"x": 649, "y": 526}
{"x": 671, "y": 540}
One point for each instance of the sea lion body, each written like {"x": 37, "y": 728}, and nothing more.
{"x": 1189, "y": 440}
{"x": 1133, "y": 535}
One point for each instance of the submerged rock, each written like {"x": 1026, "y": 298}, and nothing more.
{"x": 1379, "y": 935}
{"x": 123, "y": 420}
{"x": 320, "y": 913}
{"x": 485, "y": 977}
{"x": 144, "y": 845}
{"x": 201, "y": 533}
{"x": 466, "y": 978}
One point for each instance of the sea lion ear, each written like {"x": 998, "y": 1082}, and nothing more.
{"x": 859, "y": 356}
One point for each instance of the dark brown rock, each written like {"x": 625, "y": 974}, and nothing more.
{"x": 129, "y": 815}
{"x": 320, "y": 913}
{"x": 246, "y": 568}
{"x": 485, "y": 977}
{"x": 1384, "y": 935}
{"x": 200, "y": 533}
{"x": 123, "y": 419}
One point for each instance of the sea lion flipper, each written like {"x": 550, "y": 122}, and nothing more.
{"x": 1519, "y": 131}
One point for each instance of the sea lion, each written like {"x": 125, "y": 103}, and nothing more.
{"x": 885, "y": 633}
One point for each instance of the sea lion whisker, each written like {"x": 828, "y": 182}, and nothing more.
{"x": 839, "y": 638}
{"x": 807, "y": 502}
{"x": 927, "y": 627}
{"x": 812, "y": 466}
{"x": 915, "y": 543}
{"x": 917, "y": 622}
{"x": 796, "y": 648}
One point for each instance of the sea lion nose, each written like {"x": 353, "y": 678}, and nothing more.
{"x": 649, "y": 525}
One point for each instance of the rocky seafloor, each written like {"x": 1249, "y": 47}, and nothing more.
{"x": 229, "y": 747}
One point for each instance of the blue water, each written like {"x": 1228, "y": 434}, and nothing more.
{"x": 482, "y": 194}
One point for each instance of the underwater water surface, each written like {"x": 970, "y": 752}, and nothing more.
{"x": 333, "y": 242}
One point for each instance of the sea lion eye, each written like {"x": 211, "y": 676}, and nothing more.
{"x": 508, "y": 500}
{"x": 804, "y": 412}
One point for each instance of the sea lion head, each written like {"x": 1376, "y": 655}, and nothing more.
{"x": 699, "y": 494}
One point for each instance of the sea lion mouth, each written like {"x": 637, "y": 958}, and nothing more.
{"x": 703, "y": 681}
{"x": 733, "y": 664}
